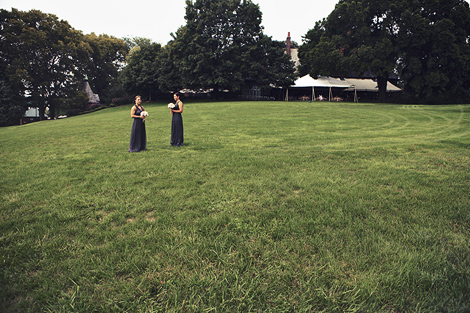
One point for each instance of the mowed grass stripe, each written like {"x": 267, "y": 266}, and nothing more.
{"x": 269, "y": 206}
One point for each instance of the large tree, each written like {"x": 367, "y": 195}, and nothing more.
{"x": 171, "y": 63}
{"x": 140, "y": 76}
{"x": 357, "y": 37}
{"x": 41, "y": 56}
{"x": 222, "y": 46}
{"x": 270, "y": 65}
{"x": 44, "y": 60}
{"x": 434, "y": 38}
{"x": 106, "y": 58}
{"x": 425, "y": 41}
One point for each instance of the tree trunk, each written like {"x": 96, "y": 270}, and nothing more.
{"x": 216, "y": 92}
{"x": 42, "y": 111}
{"x": 382, "y": 84}
{"x": 52, "y": 109}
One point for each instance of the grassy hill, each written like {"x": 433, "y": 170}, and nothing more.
{"x": 268, "y": 207}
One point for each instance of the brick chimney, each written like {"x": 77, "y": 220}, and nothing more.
{"x": 288, "y": 44}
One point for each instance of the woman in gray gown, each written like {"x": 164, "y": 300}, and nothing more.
{"x": 177, "y": 122}
{"x": 138, "y": 140}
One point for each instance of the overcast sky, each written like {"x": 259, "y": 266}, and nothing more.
{"x": 156, "y": 19}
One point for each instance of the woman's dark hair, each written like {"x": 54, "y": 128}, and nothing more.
{"x": 178, "y": 94}
{"x": 138, "y": 96}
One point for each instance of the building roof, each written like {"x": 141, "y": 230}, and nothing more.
{"x": 92, "y": 97}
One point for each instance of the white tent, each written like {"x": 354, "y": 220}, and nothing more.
{"x": 32, "y": 112}
{"x": 323, "y": 81}
{"x": 349, "y": 84}
{"x": 368, "y": 85}
{"x": 305, "y": 81}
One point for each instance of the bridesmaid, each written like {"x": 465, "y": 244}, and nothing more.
{"x": 177, "y": 122}
{"x": 138, "y": 135}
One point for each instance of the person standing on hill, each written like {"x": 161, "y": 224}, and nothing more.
{"x": 177, "y": 122}
{"x": 138, "y": 140}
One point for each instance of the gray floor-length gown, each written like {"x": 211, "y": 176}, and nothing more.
{"x": 138, "y": 140}
{"x": 176, "y": 128}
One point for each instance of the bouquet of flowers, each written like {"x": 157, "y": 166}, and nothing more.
{"x": 144, "y": 114}
{"x": 171, "y": 105}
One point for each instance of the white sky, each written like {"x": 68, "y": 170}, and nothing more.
{"x": 156, "y": 19}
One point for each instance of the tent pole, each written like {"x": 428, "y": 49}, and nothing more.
{"x": 355, "y": 94}
{"x": 313, "y": 93}
{"x": 329, "y": 96}
{"x": 287, "y": 94}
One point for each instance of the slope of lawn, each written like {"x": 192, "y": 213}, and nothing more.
{"x": 268, "y": 207}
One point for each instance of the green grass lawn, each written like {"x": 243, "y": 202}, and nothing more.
{"x": 268, "y": 207}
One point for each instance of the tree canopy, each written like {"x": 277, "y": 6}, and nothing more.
{"x": 222, "y": 46}
{"x": 434, "y": 40}
{"x": 140, "y": 76}
{"x": 106, "y": 56}
{"x": 44, "y": 60}
{"x": 425, "y": 42}
{"x": 40, "y": 54}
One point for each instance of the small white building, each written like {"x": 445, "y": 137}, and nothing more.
{"x": 31, "y": 115}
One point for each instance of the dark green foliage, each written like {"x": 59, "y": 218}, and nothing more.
{"x": 434, "y": 41}
{"x": 141, "y": 71}
{"x": 12, "y": 107}
{"x": 76, "y": 104}
{"x": 41, "y": 57}
{"x": 140, "y": 76}
{"x": 222, "y": 46}
{"x": 106, "y": 56}
{"x": 357, "y": 37}
{"x": 44, "y": 60}
{"x": 270, "y": 65}
{"x": 425, "y": 42}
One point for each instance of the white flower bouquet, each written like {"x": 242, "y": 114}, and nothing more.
{"x": 171, "y": 105}
{"x": 144, "y": 114}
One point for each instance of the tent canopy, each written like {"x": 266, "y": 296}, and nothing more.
{"x": 348, "y": 84}
{"x": 323, "y": 81}
{"x": 369, "y": 85}
{"x": 308, "y": 82}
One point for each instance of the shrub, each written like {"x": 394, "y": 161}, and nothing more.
{"x": 117, "y": 101}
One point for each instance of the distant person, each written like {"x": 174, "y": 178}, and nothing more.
{"x": 138, "y": 136}
{"x": 177, "y": 122}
